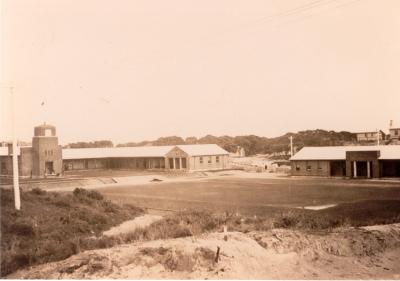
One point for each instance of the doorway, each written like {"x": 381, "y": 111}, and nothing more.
{"x": 49, "y": 169}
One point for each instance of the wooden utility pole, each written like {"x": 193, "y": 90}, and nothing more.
{"x": 17, "y": 198}
{"x": 291, "y": 146}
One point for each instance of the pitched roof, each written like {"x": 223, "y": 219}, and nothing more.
{"x": 140, "y": 151}
{"x": 369, "y": 132}
{"x": 203, "y": 149}
{"x": 387, "y": 152}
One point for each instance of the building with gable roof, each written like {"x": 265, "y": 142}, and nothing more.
{"x": 347, "y": 161}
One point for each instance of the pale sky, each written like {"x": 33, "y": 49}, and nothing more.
{"x": 129, "y": 70}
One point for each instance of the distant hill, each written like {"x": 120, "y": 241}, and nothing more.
{"x": 261, "y": 145}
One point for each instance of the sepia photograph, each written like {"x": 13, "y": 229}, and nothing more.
{"x": 200, "y": 139}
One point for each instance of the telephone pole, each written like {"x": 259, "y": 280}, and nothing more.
{"x": 17, "y": 198}
{"x": 291, "y": 146}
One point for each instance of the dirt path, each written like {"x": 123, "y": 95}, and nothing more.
{"x": 131, "y": 225}
{"x": 363, "y": 253}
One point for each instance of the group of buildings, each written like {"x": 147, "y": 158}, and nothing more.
{"x": 392, "y": 138}
{"x": 46, "y": 157}
{"x": 367, "y": 161}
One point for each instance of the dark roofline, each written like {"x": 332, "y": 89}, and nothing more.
{"x": 368, "y": 132}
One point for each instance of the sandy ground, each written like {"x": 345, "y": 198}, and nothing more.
{"x": 131, "y": 225}
{"x": 352, "y": 253}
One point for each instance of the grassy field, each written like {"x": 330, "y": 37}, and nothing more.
{"x": 262, "y": 204}
{"x": 252, "y": 196}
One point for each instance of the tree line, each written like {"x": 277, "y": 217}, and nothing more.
{"x": 252, "y": 144}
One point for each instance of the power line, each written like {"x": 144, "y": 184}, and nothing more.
{"x": 316, "y": 14}
{"x": 283, "y": 14}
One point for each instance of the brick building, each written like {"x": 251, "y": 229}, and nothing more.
{"x": 45, "y": 157}
{"x": 347, "y": 161}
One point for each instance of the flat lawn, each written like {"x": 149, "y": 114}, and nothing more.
{"x": 252, "y": 196}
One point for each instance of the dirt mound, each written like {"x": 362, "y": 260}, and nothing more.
{"x": 346, "y": 242}
{"x": 277, "y": 254}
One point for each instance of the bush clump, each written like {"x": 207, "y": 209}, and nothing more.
{"x": 22, "y": 229}
{"x": 92, "y": 194}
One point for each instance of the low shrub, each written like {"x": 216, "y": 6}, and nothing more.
{"x": 92, "y": 194}
{"x": 287, "y": 220}
{"x": 62, "y": 202}
{"x": 38, "y": 191}
{"x": 22, "y": 229}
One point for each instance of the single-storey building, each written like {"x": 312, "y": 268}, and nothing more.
{"x": 46, "y": 157}
{"x": 370, "y": 136}
{"x": 347, "y": 161}
{"x": 171, "y": 157}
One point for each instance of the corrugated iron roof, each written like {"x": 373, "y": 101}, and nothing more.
{"x": 140, "y": 151}
{"x": 387, "y": 152}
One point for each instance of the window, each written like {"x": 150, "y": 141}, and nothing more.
{"x": 396, "y": 132}
{"x": 308, "y": 167}
{"x": 217, "y": 159}
{"x": 210, "y": 159}
{"x": 297, "y": 168}
{"x": 201, "y": 160}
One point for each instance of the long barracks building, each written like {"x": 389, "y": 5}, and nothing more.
{"x": 46, "y": 157}
{"x": 347, "y": 161}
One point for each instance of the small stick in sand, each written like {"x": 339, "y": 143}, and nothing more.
{"x": 217, "y": 255}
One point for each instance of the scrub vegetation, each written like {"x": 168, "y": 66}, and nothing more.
{"x": 49, "y": 225}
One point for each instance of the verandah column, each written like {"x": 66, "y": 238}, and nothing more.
{"x": 355, "y": 169}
